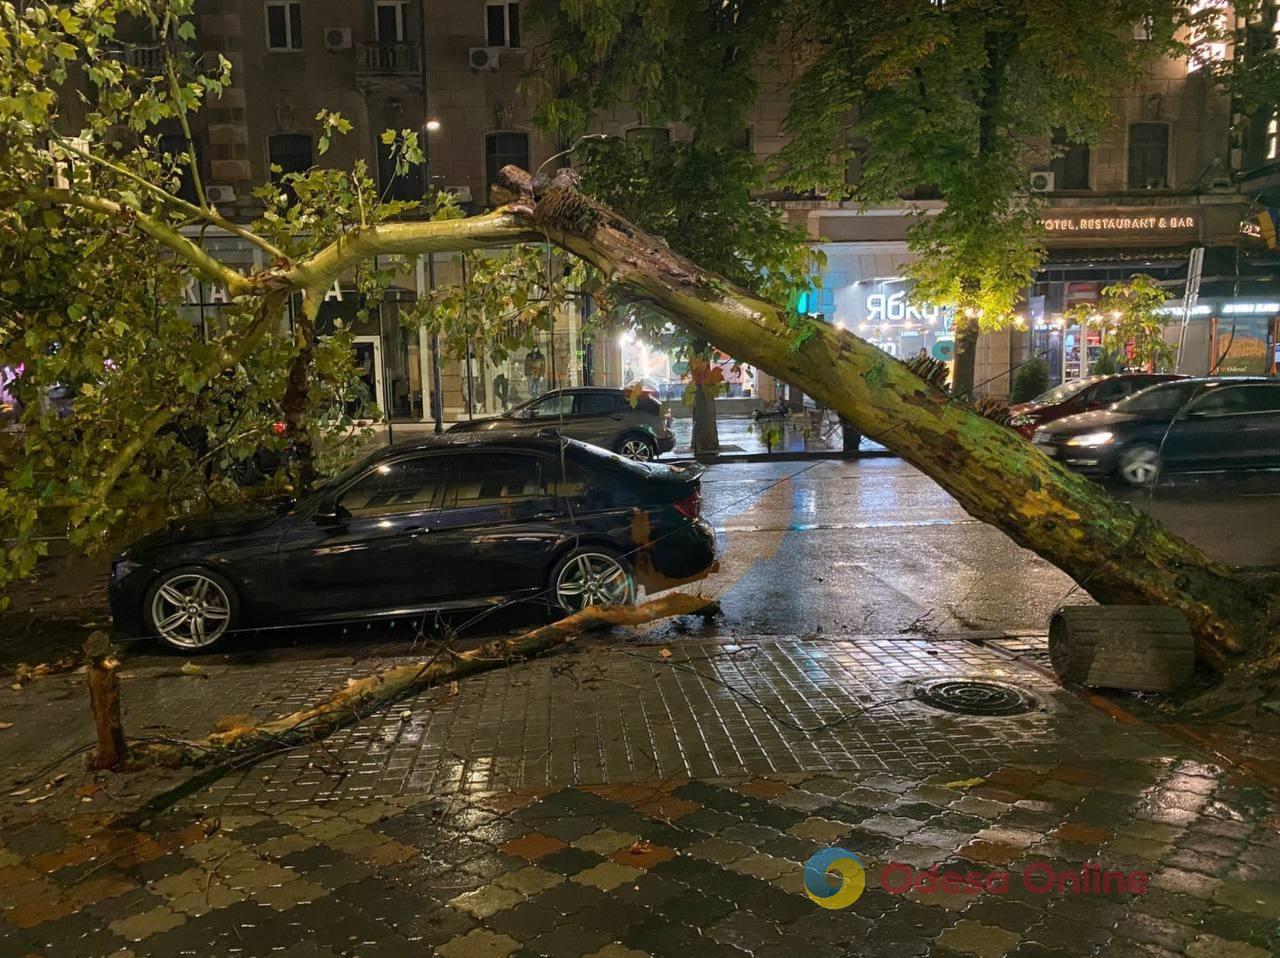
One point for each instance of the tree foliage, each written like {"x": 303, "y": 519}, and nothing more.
{"x": 1130, "y": 318}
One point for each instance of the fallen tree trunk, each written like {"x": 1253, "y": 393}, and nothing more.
{"x": 1115, "y": 552}
{"x": 362, "y": 696}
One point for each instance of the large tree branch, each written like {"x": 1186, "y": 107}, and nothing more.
{"x": 499, "y": 228}
{"x": 206, "y": 212}
{"x": 211, "y": 267}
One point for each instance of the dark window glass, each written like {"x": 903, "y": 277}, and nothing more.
{"x": 1222, "y": 401}
{"x": 291, "y": 152}
{"x": 655, "y": 136}
{"x": 552, "y": 407}
{"x": 175, "y": 145}
{"x": 1263, "y": 398}
{"x": 295, "y": 26}
{"x": 513, "y": 24}
{"x": 496, "y": 25}
{"x": 501, "y": 149}
{"x": 1071, "y": 166}
{"x": 598, "y": 404}
{"x": 406, "y": 186}
{"x": 492, "y": 479}
{"x": 277, "y": 27}
{"x": 407, "y": 485}
{"x": 1110, "y": 391}
{"x": 389, "y": 22}
{"x": 1148, "y": 156}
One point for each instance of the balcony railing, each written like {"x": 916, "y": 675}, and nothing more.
{"x": 389, "y": 59}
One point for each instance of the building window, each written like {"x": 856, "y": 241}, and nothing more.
{"x": 175, "y": 145}
{"x": 1149, "y": 156}
{"x": 1273, "y": 137}
{"x": 406, "y": 186}
{"x": 501, "y": 149}
{"x": 742, "y": 140}
{"x": 502, "y": 24}
{"x": 284, "y": 25}
{"x": 1070, "y": 165}
{"x": 388, "y": 21}
{"x": 655, "y": 137}
{"x": 289, "y": 153}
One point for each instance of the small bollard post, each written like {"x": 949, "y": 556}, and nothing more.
{"x": 104, "y": 699}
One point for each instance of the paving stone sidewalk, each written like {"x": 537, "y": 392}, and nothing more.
{"x": 520, "y": 817}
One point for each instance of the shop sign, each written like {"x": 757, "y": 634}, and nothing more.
{"x": 896, "y": 308}
{"x": 1107, "y": 224}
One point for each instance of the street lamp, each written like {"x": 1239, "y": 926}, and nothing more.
{"x": 430, "y": 126}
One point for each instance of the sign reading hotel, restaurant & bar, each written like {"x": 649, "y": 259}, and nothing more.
{"x": 1147, "y": 223}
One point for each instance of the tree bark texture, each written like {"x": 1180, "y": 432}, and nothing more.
{"x": 1117, "y": 554}
{"x": 361, "y": 696}
{"x": 104, "y": 701}
{"x": 706, "y": 437}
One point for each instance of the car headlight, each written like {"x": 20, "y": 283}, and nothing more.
{"x": 1091, "y": 439}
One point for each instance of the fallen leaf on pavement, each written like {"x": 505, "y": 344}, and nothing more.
{"x": 665, "y": 654}
{"x": 5, "y": 725}
{"x": 190, "y": 668}
{"x": 20, "y": 791}
{"x": 38, "y": 798}
{"x": 89, "y": 788}
{"x": 640, "y": 848}
{"x": 965, "y": 783}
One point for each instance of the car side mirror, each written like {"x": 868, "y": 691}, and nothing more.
{"x": 330, "y": 512}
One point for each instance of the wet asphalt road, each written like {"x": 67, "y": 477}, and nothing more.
{"x": 829, "y": 547}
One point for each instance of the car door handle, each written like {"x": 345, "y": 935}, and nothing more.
{"x": 415, "y": 531}
{"x": 548, "y": 514}
{"x": 617, "y": 418}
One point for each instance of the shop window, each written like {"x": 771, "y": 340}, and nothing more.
{"x": 655, "y": 137}
{"x": 406, "y": 186}
{"x": 501, "y": 149}
{"x": 486, "y": 479}
{"x": 175, "y": 145}
{"x": 284, "y": 25}
{"x": 1071, "y": 164}
{"x": 502, "y": 24}
{"x": 1148, "y": 156}
{"x": 406, "y": 485}
{"x": 288, "y": 153}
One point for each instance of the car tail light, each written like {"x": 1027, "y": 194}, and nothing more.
{"x": 690, "y": 505}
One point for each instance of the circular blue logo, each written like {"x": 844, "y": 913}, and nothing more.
{"x": 834, "y": 878}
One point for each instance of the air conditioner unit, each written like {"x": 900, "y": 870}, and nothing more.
{"x": 484, "y": 58}
{"x": 1041, "y": 181}
{"x": 219, "y": 194}
{"x": 460, "y": 193}
{"x": 337, "y": 38}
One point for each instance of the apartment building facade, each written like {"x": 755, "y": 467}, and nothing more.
{"x": 1173, "y": 173}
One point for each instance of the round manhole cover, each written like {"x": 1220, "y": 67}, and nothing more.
{"x": 976, "y": 697}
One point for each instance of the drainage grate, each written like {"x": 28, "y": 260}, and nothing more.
{"x": 976, "y": 697}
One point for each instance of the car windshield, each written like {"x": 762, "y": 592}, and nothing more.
{"x": 1165, "y": 398}
{"x": 1064, "y": 392}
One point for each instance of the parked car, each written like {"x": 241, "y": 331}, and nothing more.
{"x": 449, "y": 523}
{"x": 632, "y": 426}
{"x": 1080, "y": 395}
{"x": 1186, "y": 425}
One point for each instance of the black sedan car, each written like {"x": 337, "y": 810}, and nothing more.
{"x": 1196, "y": 425}
{"x": 456, "y": 522}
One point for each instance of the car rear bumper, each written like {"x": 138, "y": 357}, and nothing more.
{"x": 666, "y": 442}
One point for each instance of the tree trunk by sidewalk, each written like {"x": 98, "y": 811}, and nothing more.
{"x": 381, "y": 689}
{"x": 1115, "y": 552}
{"x": 104, "y": 700}
{"x": 965, "y": 330}
{"x": 706, "y": 435}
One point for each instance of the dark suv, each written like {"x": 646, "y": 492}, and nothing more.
{"x": 633, "y": 427}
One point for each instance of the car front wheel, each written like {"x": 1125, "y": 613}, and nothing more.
{"x": 638, "y": 448}
{"x": 1139, "y": 465}
{"x": 592, "y": 575}
{"x": 191, "y": 608}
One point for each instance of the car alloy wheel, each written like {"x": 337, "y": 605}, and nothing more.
{"x": 1140, "y": 466}
{"x": 592, "y": 578}
{"x": 190, "y": 610}
{"x": 638, "y": 449}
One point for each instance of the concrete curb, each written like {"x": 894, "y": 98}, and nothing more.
{"x": 797, "y": 456}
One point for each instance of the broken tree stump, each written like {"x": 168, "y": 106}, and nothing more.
{"x": 1140, "y": 648}
{"x": 104, "y": 700}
